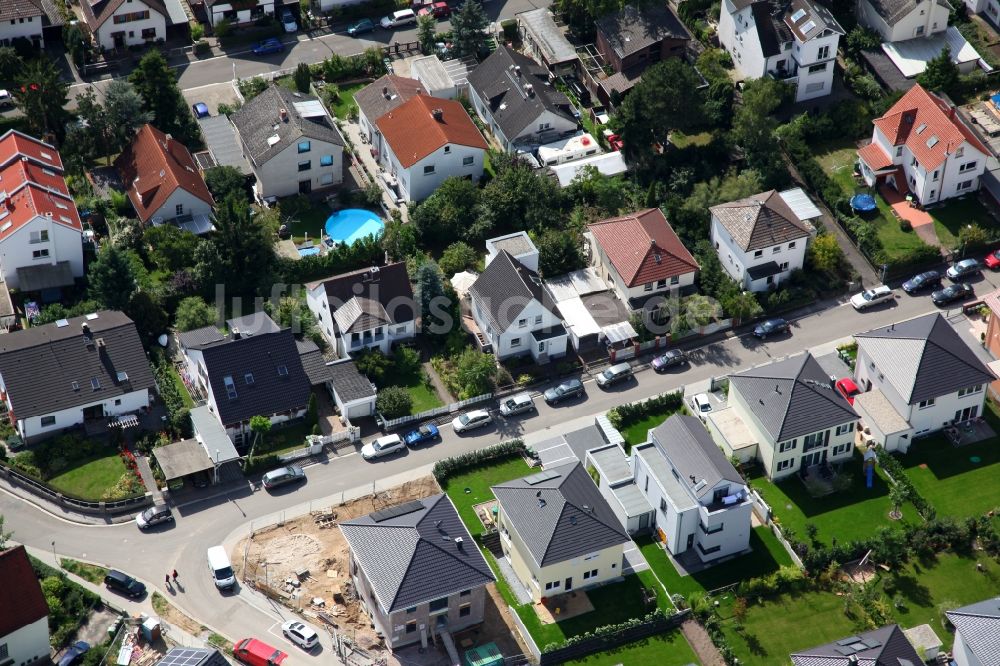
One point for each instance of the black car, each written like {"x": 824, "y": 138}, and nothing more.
{"x": 570, "y": 388}
{"x": 74, "y": 653}
{"x": 924, "y": 280}
{"x": 770, "y": 327}
{"x": 951, "y": 293}
{"x": 124, "y": 584}
{"x": 669, "y": 358}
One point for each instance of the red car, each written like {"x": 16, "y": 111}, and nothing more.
{"x": 847, "y": 388}
{"x": 992, "y": 260}
{"x": 440, "y": 10}
{"x": 615, "y": 142}
{"x": 254, "y": 652}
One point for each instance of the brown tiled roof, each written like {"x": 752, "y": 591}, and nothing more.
{"x": 385, "y": 94}
{"x": 760, "y": 221}
{"x": 413, "y": 132}
{"x": 96, "y": 13}
{"x": 21, "y": 598}
{"x": 643, "y": 247}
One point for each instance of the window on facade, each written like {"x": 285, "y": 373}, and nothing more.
{"x": 787, "y": 446}
{"x": 46, "y": 421}
{"x": 438, "y": 604}
{"x": 924, "y": 404}
{"x": 784, "y": 464}
{"x": 326, "y": 160}
{"x": 39, "y": 236}
{"x": 840, "y": 449}
{"x": 521, "y": 323}
{"x": 776, "y": 249}
{"x": 447, "y": 150}
{"x": 663, "y": 505}
{"x": 959, "y": 152}
{"x": 411, "y": 626}
{"x": 326, "y": 179}
{"x": 516, "y": 342}
{"x": 3, "y": 650}
{"x": 675, "y": 279}
{"x": 920, "y": 29}
{"x": 429, "y": 169}
{"x": 305, "y": 165}
{"x": 538, "y": 319}
{"x": 783, "y": 266}
{"x": 899, "y": 151}
{"x": 543, "y": 126}
{"x": 964, "y": 185}
{"x": 131, "y": 17}
{"x": 590, "y": 574}
{"x": 465, "y": 610}
{"x": 179, "y": 210}
{"x": 758, "y": 254}
{"x": 305, "y": 146}
{"x": 39, "y": 254}
{"x": 660, "y": 284}
{"x": 468, "y": 161}
{"x": 411, "y": 609}
{"x": 814, "y": 440}
{"x": 844, "y": 429}
{"x": 551, "y": 586}
{"x": 823, "y": 53}
{"x": 969, "y": 391}
{"x": 968, "y": 166}
{"x": 818, "y": 68}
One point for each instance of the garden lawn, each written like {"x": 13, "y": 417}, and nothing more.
{"x": 952, "y": 216}
{"x": 304, "y": 217}
{"x": 282, "y": 439}
{"x": 665, "y": 650}
{"x": 342, "y": 108}
{"x": 89, "y": 478}
{"x": 949, "y": 479}
{"x": 421, "y": 392}
{"x": 478, "y": 480}
{"x": 638, "y": 432}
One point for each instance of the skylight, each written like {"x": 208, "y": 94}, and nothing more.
{"x": 931, "y": 142}
{"x": 798, "y": 15}
{"x": 95, "y": 383}
{"x": 809, "y": 27}
{"x": 230, "y": 387}
{"x": 282, "y": 370}
{"x": 248, "y": 378}
{"x": 921, "y": 128}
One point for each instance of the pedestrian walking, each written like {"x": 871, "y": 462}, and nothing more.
{"x": 166, "y": 579}
{"x": 175, "y": 575}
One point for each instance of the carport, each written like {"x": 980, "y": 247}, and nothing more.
{"x": 182, "y": 459}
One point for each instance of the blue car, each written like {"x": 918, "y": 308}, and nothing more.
{"x": 73, "y": 654}
{"x": 425, "y": 433}
{"x": 268, "y": 46}
{"x": 200, "y": 110}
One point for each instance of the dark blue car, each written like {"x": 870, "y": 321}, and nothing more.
{"x": 268, "y": 46}
{"x": 425, "y": 433}
{"x": 200, "y": 110}
{"x": 73, "y": 654}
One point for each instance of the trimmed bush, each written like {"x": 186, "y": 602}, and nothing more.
{"x": 261, "y": 463}
{"x": 607, "y": 631}
{"x": 623, "y": 416}
{"x": 393, "y": 402}
{"x": 444, "y": 469}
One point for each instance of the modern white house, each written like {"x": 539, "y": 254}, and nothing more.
{"x": 425, "y": 141}
{"x": 899, "y": 20}
{"x": 796, "y": 43}
{"x": 73, "y": 372}
{"x": 977, "y": 627}
{"x": 558, "y": 533}
{"x": 791, "y": 410}
{"x": 760, "y": 240}
{"x": 118, "y": 24}
{"x": 24, "y": 614}
{"x": 371, "y": 308}
{"x": 238, "y": 13}
{"x": 291, "y": 142}
{"x": 922, "y": 146}
{"x": 26, "y": 19}
{"x": 920, "y": 374}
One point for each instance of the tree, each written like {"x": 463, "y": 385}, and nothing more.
{"x": 399, "y": 239}
{"x": 426, "y": 26}
{"x": 193, "y": 312}
{"x": 458, "y": 257}
{"x": 170, "y": 248}
{"x": 41, "y": 95}
{"x": 559, "y": 252}
{"x": 517, "y": 198}
{"x": 124, "y": 107}
{"x": 430, "y": 292}
{"x": 941, "y": 74}
{"x": 239, "y": 254}
{"x": 226, "y": 181}
{"x": 112, "y": 278}
{"x": 606, "y": 195}
{"x": 147, "y": 312}
{"x": 75, "y": 43}
{"x": 10, "y": 65}
{"x": 449, "y": 212}
{"x": 468, "y": 29}
{"x": 312, "y": 412}
{"x": 373, "y": 364}
{"x": 825, "y": 254}
{"x": 156, "y": 82}
{"x": 899, "y": 494}
{"x": 393, "y": 402}
{"x": 259, "y": 426}
{"x": 741, "y": 306}
{"x": 475, "y": 373}
{"x": 302, "y": 77}
{"x": 753, "y": 127}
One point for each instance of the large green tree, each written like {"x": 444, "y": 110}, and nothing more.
{"x": 111, "y": 124}
{"x": 458, "y": 257}
{"x": 239, "y": 254}
{"x": 559, "y": 251}
{"x": 468, "y": 29}
{"x": 41, "y": 95}
{"x": 225, "y": 181}
{"x": 157, "y": 85}
{"x": 754, "y": 124}
{"x": 10, "y": 66}
{"x": 112, "y": 278}
{"x": 193, "y": 312}
{"x": 941, "y": 74}
{"x": 426, "y": 27}
{"x": 448, "y": 213}
{"x": 517, "y": 198}
{"x": 170, "y": 247}
{"x": 430, "y": 291}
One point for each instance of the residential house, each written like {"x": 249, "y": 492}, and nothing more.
{"x": 24, "y": 614}
{"x": 427, "y": 140}
{"x": 792, "y": 411}
{"x": 513, "y": 314}
{"x": 628, "y": 41}
{"x": 240, "y": 13}
{"x": 207, "y": 453}
{"x": 41, "y": 235}
{"x": 886, "y": 646}
{"x": 255, "y": 369}
{"x": 642, "y": 258}
{"x": 417, "y": 571}
{"x": 795, "y": 42}
{"x": 760, "y": 240}
{"x": 380, "y": 97}
{"x": 164, "y": 183}
{"x": 513, "y": 97}
{"x": 992, "y": 341}
{"x": 119, "y": 24}
{"x": 353, "y": 393}
{"x": 989, "y": 7}
{"x": 72, "y": 372}
{"x": 371, "y": 308}
{"x": 546, "y": 41}
{"x": 899, "y": 20}
{"x": 921, "y": 146}
{"x": 557, "y": 531}
{"x": 977, "y": 633}
{"x": 919, "y": 372}
{"x": 28, "y": 20}
{"x": 291, "y": 142}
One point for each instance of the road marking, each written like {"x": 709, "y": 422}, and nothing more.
{"x": 559, "y": 460}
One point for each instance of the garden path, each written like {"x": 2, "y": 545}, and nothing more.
{"x": 702, "y": 644}
{"x": 922, "y": 223}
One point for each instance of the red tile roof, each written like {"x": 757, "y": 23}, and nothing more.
{"x": 928, "y": 126}
{"x": 32, "y": 184}
{"x": 643, "y": 247}
{"x": 154, "y": 166}
{"x": 30, "y": 201}
{"x": 414, "y": 133}
{"x": 875, "y": 157}
{"x": 21, "y": 599}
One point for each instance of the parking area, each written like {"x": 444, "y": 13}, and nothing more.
{"x": 212, "y": 95}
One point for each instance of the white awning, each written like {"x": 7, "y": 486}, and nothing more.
{"x": 462, "y": 282}
{"x": 577, "y": 318}
{"x": 620, "y": 332}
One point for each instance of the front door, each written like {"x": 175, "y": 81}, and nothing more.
{"x": 119, "y": 39}
{"x": 305, "y": 186}
{"x": 690, "y": 543}
{"x": 569, "y": 584}
{"x": 644, "y": 521}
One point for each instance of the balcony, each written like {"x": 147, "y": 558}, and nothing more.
{"x": 785, "y": 75}
{"x": 367, "y": 341}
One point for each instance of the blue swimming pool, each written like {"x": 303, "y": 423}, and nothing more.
{"x": 350, "y": 224}
{"x": 308, "y": 251}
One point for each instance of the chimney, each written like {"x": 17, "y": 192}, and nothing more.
{"x": 236, "y": 334}
{"x": 438, "y": 115}
{"x": 530, "y": 89}
{"x": 385, "y": 92}
{"x": 517, "y": 70}
{"x": 459, "y": 541}
{"x": 85, "y": 327}
{"x": 170, "y": 137}
{"x": 284, "y": 115}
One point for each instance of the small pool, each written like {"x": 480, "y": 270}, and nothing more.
{"x": 350, "y": 224}
{"x": 308, "y": 251}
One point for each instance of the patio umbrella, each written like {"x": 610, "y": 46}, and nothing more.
{"x": 462, "y": 282}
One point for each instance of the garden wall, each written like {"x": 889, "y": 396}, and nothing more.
{"x": 42, "y": 489}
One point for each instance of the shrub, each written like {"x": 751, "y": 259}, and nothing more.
{"x": 904, "y": 225}
{"x": 623, "y": 416}
{"x": 302, "y": 77}
{"x": 223, "y": 28}
{"x": 444, "y": 469}
{"x": 608, "y": 632}
{"x": 197, "y": 32}
{"x": 393, "y": 402}
{"x": 261, "y": 463}
{"x": 200, "y": 47}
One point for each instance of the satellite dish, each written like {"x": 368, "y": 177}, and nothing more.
{"x": 163, "y": 339}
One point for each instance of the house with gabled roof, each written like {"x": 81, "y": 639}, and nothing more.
{"x": 380, "y": 97}
{"x": 417, "y": 571}
{"x": 899, "y": 20}
{"x": 977, "y": 633}
{"x": 641, "y": 257}
{"x": 24, "y": 614}
{"x": 28, "y": 20}
{"x": 557, "y": 531}
{"x": 921, "y": 146}
{"x": 119, "y": 24}
{"x": 886, "y": 646}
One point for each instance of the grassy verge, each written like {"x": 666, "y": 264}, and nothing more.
{"x": 160, "y": 604}
{"x": 91, "y": 573}
{"x": 185, "y": 394}
{"x": 91, "y": 477}
{"x": 221, "y": 642}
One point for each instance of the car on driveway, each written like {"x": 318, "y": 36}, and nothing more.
{"x": 963, "y": 268}
{"x": 517, "y": 404}
{"x": 288, "y": 21}
{"x": 619, "y": 372}
{"x": 847, "y": 388}
{"x": 124, "y": 584}
{"x": 74, "y": 653}
{"x": 283, "y": 476}
{"x": 702, "y": 405}
{"x": 439, "y": 10}
{"x": 992, "y": 260}
{"x": 922, "y": 281}
{"x": 6, "y": 99}
{"x": 668, "y": 359}
{"x": 200, "y": 110}
{"x": 571, "y": 388}
{"x": 153, "y": 516}
{"x": 301, "y": 634}
{"x": 268, "y": 46}
{"x": 770, "y": 327}
{"x": 870, "y": 297}
{"x": 383, "y": 446}
{"x": 952, "y": 293}
{"x": 360, "y": 27}
{"x": 255, "y": 652}
{"x": 428, "y": 432}
{"x": 477, "y": 418}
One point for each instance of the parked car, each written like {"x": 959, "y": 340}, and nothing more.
{"x": 516, "y": 404}
{"x": 74, "y": 652}
{"x": 870, "y": 297}
{"x": 282, "y": 476}
{"x": 200, "y": 110}
{"x": 383, "y": 446}
{"x": 702, "y": 405}
{"x": 847, "y": 388}
{"x": 992, "y": 260}
{"x": 571, "y": 388}
{"x": 951, "y": 293}
{"x": 124, "y": 584}
{"x": 360, "y": 27}
{"x": 153, "y": 516}
{"x": 255, "y": 652}
{"x": 398, "y": 19}
{"x": 6, "y": 99}
{"x": 268, "y": 46}
{"x": 220, "y": 568}
{"x": 288, "y": 22}
{"x": 963, "y": 268}
{"x": 668, "y": 359}
{"x": 922, "y": 281}
{"x": 477, "y": 418}
{"x": 439, "y": 10}
{"x": 613, "y": 375}
{"x": 301, "y": 634}
{"x": 425, "y": 433}
{"x": 770, "y": 327}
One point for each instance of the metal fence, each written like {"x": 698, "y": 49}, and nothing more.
{"x": 389, "y": 424}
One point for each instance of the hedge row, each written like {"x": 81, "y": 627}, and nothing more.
{"x": 261, "y": 463}
{"x": 448, "y": 467}
{"x": 895, "y": 470}
{"x": 623, "y": 416}
{"x": 606, "y": 631}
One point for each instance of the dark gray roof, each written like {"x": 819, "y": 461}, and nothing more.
{"x": 893, "y": 11}
{"x": 313, "y": 362}
{"x": 200, "y": 336}
{"x": 385, "y": 94}
{"x": 39, "y": 365}
{"x": 505, "y": 288}
{"x": 349, "y": 384}
{"x": 259, "y": 120}
{"x": 562, "y": 517}
{"x": 415, "y": 557}
{"x": 923, "y": 358}
{"x": 979, "y": 625}
{"x": 635, "y": 28}
{"x": 881, "y": 647}
{"x": 498, "y": 85}
{"x": 770, "y": 32}
{"x": 45, "y": 276}
{"x": 693, "y": 453}
{"x": 792, "y": 397}
{"x": 387, "y": 285}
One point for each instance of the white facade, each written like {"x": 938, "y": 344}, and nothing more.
{"x": 224, "y": 10}
{"x": 989, "y": 7}
{"x": 26, "y": 27}
{"x": 926, "y": 18}
{"x": 789, "y": 256}
{"x": 285, "y": 174}
{"x": 546, "y": 127}
{"x": 181, "y": 202}
{"x": 419, "y": 181}
{"x": 518, "y": 339}
{"x": 625, "y": 293}
{"x": 963, "y": 655}
{"x": 380, "y": 337}
{"x": 132, "y": 24}
{"x": 28, "y": 644}
{"x": 36, "y": 427}
{"x": 27, "y": 247}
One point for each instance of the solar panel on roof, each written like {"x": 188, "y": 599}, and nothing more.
{"x": 535, "y": 479}
{"x": 845, "y": 650}
{"x": 871, "y": 643}
{"x": 397, "y": 511}
{"x": 849, "y": 640}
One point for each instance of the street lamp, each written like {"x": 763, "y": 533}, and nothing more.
{"x": 54, "y": 554}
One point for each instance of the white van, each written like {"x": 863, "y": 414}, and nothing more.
{"x": 398, "y": 19}
{"x": 221, "y": 569}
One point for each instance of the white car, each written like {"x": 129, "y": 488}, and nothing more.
{"x": 477, "y": 418}
{"x": 516, "y": 404}
{"x": 873, "y": 296}
{"x": 383, "y": 446}
{"x": 702, "y": 405}
{"x": 6, "y": 99}
{"x": 301, "y": 634}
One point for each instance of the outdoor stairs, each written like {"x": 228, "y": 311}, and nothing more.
{"x": 449, "y": 647}
{"x": 491, "y": 542}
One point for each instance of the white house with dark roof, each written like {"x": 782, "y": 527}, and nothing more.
{"x": 118, "y": 24}
{"x": 795, "y": 43}
{"x": 977, "y": 633}
{"x": 24, "y": 613}
{"x": 925, "y": 372}
{"x": 557, "y": 531}
{"x": 380, "y": 97}
{"x": 886, "y": 646}
{"x": 417, "y": 571}
{"x": 760, "y": 240}
{"x": 899, "y": 20}
{"x": 27, "y": 19}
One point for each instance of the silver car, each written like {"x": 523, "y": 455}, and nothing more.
{"x": 477, "y": 418}
{"x": 516, "y": 404}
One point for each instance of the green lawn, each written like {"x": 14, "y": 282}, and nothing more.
{"x": 950, "y": 218}
{"x": 768, "y": 554}
{"x": 90, "y": 477}
{"x": 949, "y": 479}
{"x": 473, "y": 487}
{"x": 304, "y": 217}
{"x": 664, "y": 650}
{"x": 682, "y": 140}
{"x": 282, "y": 439}
{"x": 343, "y": 106}
{"x": 638, "y": 432}
{"x": 421, "y": 390}
{"x": 185, "y": 395}
{"x": 91, "y": 573}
